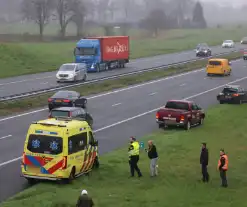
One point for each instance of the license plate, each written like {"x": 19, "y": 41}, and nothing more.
{"x": 227, "y": 96}
{"x": 35, "y": 170}
{"x": 58, "y": 101}
{"x": 169, "y": 118}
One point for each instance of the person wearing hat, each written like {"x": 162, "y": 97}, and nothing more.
{"x": 223, "y": 167}
{"x": 153, "y": 156}
{"x": 134, "y": 152}
{"x": 84, "y": 200}
{"x": 204, "y": 162}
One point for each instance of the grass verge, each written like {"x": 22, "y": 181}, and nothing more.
{"x": 178, "y": 183}
{"x": 29, "y": 58}
{"x": 10, "y": 107}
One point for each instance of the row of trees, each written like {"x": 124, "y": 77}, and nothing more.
{"x": 76, "y": 11}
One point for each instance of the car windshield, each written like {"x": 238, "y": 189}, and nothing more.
{"x": 214, "y": 62}
{"x": 67, "y": 67}
{"x": 44, "y": 144}
{"x": 230, "y": 90}
{"x": 57, "y": 113}
{"x": 65, "y": 94}
{"x": 84, "y": 51}
{"x": 201, "y": 45}
{"x": 177, "y": 105}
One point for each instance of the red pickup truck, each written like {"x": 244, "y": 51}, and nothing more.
{"x": 180, "y": 113}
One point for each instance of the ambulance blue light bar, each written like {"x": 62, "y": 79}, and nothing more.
{"x": 45, "y": 132}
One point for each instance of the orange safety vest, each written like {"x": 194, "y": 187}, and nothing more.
{"x": 225, "y": 167}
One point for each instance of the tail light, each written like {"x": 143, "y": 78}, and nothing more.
{"x": 49, "y": 100}
{"x": 157, "y": 115}
{"x": 66, "y": 101}
{"x": 182, "y": 118}
{"x": 64, "y": 163}
{"x": 235, "y": 94}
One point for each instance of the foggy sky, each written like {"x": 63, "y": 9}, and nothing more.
{"x": 228, "y": 2}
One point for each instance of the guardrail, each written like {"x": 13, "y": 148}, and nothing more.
{"x": 56, "y": 88}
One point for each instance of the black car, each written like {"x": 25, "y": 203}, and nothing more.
{"x": 232, "y": 94}
{"x": 203, "y": 51}
{"x": 66, "y": 99}
{"x": 72, "y": 112}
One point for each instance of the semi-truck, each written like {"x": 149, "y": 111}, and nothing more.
{"x": 102, "y": 53}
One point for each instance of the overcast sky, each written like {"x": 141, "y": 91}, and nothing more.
{"x": 232, "y": 2}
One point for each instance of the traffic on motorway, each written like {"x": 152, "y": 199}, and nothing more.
{"x": 78, "y": 71}
{"x": 67, "y": 120}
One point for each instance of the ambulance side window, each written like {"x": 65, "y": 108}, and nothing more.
{"x": 91, "y": 138}
{"x": 77, "y": 143}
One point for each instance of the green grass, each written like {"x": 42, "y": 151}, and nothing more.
{"x": 10, "y": 107}
{"x": 178, "y": 183}
{"x": 28, "y": 58}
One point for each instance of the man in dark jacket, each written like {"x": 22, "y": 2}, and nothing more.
{"x": 84, "y": 200}
{"x": 204, "y": 163}
{"x": 153, "y": 156}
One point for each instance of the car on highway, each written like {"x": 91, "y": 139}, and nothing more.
{"x": 180, "y": 113}
{"x": 59, "y": 150}
{"x": 203, "y": 51}
{"x": 228, "y": 44}
{"x": 66, "y": 99}
{"x": 232, "y": 94}
{"x": 244, "y": 40}
{"x": 245, "y": 54}
{"x": 72, "y": 112}
{"x": 72, "y": 72}
{"x": 218, "y": 66}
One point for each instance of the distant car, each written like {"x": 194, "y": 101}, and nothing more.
{"x": 244, "y": 40}
{"x": 203, "y": 51}
{"x": 180, "y": 113}
{"x": 72, "y": 112}
{"x": 232, "y": 94}
{"x": 245, "y": 54}
{"x": 72, "y": 72}
{"x": 66, "y": 99}
{"x": 228, "y": 44}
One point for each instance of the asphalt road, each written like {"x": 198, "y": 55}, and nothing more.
{"x": 118, "y": 115}
{"x": 28, "y": 83}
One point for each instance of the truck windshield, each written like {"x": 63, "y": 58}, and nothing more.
{"x": 85, "y": 51}
{"x": 44, "y": 144}
{"x": 177, "y": 105}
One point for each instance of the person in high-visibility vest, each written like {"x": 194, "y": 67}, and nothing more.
{"x": 134, "y": 152}
{"x": 223, "y": 167}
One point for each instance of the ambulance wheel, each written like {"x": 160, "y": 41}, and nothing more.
{"x": 72, "y": 175}
{"x": 31, "y": 181}
{"x": 96, "y": 163}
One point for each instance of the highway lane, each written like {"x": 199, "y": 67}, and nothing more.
{"x": 131, "y": 103}
{"x": 28, "y": 83}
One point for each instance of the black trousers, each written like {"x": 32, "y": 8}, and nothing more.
{"x": 223, "y": 178}
{"x": 133, "y": 166}
{"x": 205, "y": 175}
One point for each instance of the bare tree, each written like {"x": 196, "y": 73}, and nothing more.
{"x": 65, "y": 14}
{"x": 79, "y": 9}
{"x": 38, "y": 11}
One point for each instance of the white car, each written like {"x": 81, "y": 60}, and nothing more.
{"x": 228, "y": 44}
{"x": 72, "y": 72}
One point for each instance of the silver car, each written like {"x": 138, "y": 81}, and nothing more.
{"x": 72, "y": 72}
{"x": 228, "y": 44}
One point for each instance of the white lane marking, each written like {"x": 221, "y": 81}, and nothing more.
{"x": 4, "y": 137}
{"x": 151, "y": 94}
{"x": 183, "y": 84}
{"x": 44, "y": 83}
{"x": 117, "y": 104}
{"x": 25, "y": 80}
{"x": 143, "y": 114}
{"x": 116, "y": 91}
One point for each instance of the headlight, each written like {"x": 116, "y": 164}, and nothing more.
{"x": 197, "y": 51}
{"x": 205, "y": 51}
{"x": 92, "y": 66}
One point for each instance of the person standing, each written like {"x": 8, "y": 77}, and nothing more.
{"x": 223, "y": 167}
{"x": 204, "y": 162}
{"x": 84, "y": 200}
{"x": 134, "y": 152}
{"x": 153, "y": 156}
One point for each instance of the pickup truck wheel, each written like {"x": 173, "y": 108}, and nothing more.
{"x": 187, "y": 126}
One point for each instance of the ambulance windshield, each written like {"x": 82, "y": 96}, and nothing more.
{"x": 44, "y": 144}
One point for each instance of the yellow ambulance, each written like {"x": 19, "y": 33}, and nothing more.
{"x": 59, "y": 149}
